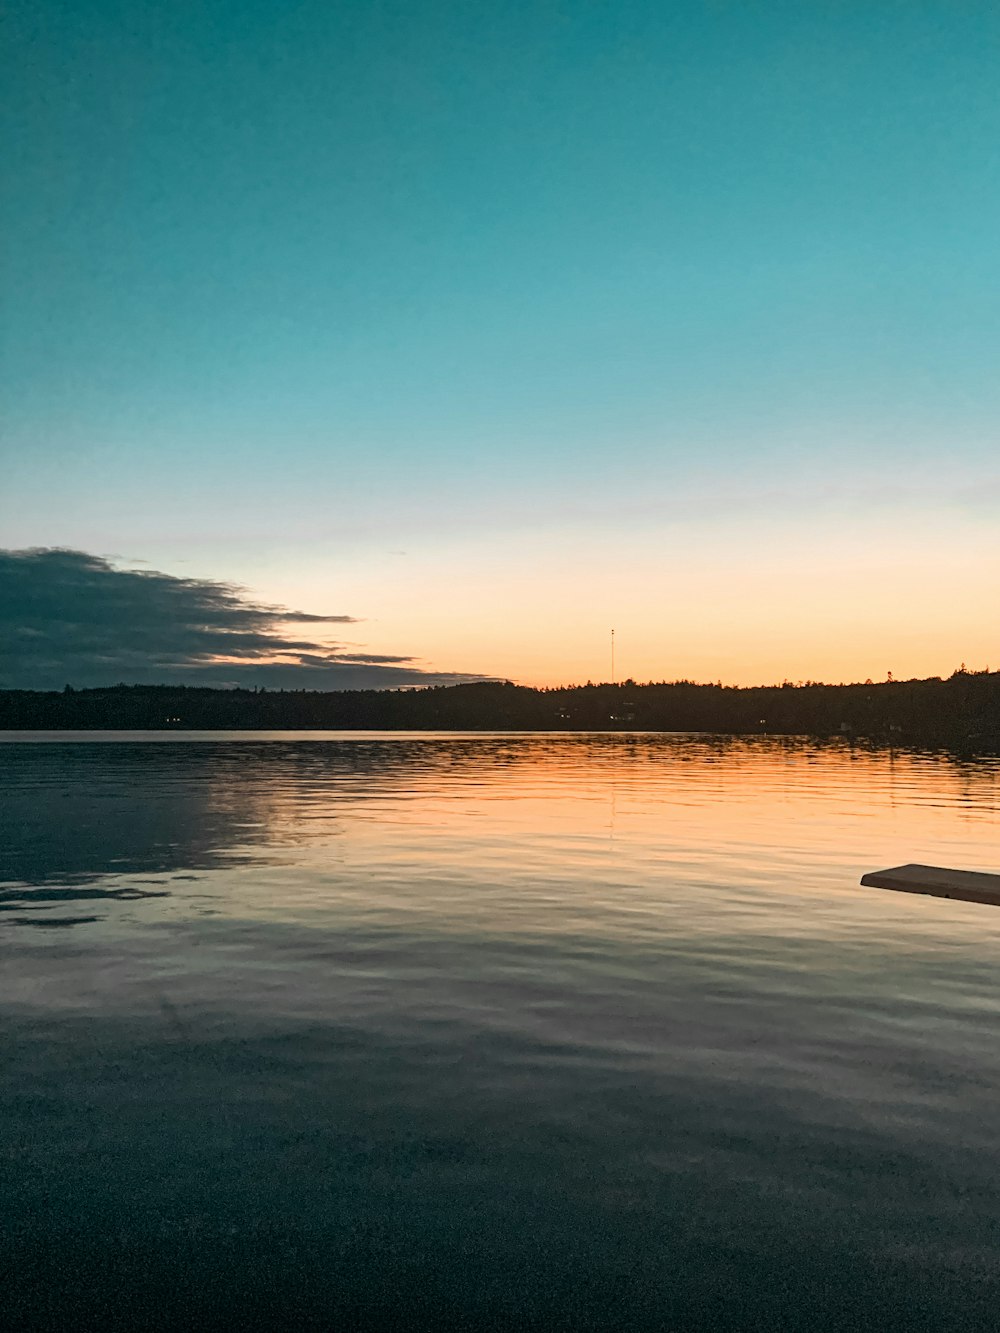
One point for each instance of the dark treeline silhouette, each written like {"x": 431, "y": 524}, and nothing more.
{"x": 962, "y": 711}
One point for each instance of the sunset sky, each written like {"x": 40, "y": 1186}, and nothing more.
{"x": 491, "y": 327}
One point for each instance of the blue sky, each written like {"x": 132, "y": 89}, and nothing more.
{"x": 291, "y": 289}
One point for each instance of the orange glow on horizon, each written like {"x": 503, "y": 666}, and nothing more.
{"x": 744, "y": 603}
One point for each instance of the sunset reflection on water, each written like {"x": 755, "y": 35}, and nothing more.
{"x": 532, "y": 1025}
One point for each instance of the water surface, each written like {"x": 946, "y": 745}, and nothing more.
{"x": 494, "y": 1031}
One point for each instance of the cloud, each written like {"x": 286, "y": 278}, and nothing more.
{"x": 67, "y": 617}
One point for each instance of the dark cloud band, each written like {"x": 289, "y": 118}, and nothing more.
{"x": 71, "y": 617}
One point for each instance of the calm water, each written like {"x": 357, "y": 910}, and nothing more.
{"x": 473, "y": 1032}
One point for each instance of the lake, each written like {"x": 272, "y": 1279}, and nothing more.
{"x": 426, "y": 1031}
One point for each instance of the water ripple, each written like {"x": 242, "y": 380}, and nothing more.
{"x": 535, "y": 1032}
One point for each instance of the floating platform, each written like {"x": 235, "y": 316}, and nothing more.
{"x": 970, "y": 886}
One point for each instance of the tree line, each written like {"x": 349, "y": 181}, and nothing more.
{"x": 960, "y": 711}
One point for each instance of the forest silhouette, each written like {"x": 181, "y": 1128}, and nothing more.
{"x": 962, "y": 711}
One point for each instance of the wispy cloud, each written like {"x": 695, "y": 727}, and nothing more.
{"x": 70, "y": 617}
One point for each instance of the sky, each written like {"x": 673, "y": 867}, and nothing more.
{"x": 491, "y": 328}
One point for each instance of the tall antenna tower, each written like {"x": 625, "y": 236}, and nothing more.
{"x": 612, "y": 657}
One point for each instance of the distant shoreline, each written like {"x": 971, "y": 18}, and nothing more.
{"x": 962, "y": 711}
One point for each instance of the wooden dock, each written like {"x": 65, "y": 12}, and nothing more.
{"x": 970, "y": 886}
